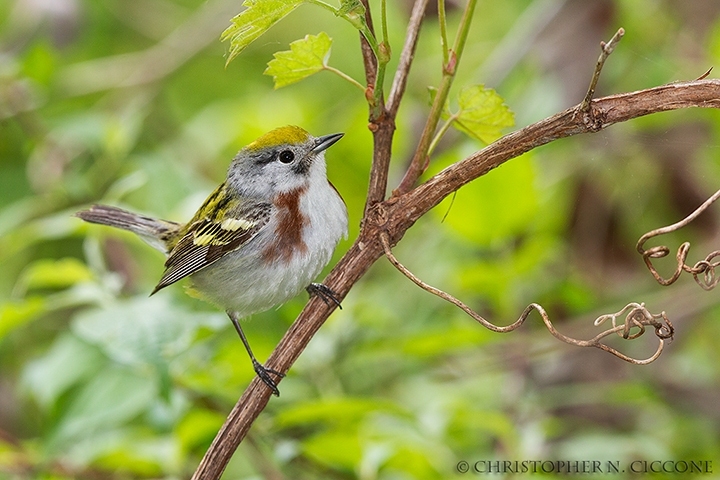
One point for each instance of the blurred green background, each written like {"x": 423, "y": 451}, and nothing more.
{"x": 128, "y": 102}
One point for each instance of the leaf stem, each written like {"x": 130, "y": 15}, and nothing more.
{"x": 324, "y": 5}
{"x": 344, "y": 76}
{"x": 438, "y": 136}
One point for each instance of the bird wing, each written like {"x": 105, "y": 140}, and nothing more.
{"x": 222, "y": 225}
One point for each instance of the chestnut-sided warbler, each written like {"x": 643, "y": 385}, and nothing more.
{"x": 260, "y": 238}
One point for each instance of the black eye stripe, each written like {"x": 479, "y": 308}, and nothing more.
{"x": 286, "y": 156}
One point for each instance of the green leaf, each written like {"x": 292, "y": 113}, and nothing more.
{"x": 16, "y": 314}
{"x": 305, "y": 57}
{"x": 113, "y": 397}
{"x": 497, "y": 207}
{"x": 68, "y": 361}
{"x": 337, "y": 412}
{"x": 142, "y": 331}
{"x": 447, "y": 341}
{"x": 198, "y": 428}
{"x": 50, "y": 273}
{"x": 336, "y": 449}
{"x": 136, "y": 459}
{"x": 255, "y": 20}
{"x": 482, "y": 113}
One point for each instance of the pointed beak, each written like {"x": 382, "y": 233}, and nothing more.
{"x": 325, "y": 142}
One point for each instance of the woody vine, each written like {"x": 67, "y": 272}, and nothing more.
{"x": 482, "y": 114}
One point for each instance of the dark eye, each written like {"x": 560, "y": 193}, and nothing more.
{"x": 286, "y": 156}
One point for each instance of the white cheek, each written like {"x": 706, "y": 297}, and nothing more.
{"x": 274, "y": 178}
{"x": 285, "y": 180}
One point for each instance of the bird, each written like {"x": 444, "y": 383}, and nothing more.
{"x": 260, "y": 238}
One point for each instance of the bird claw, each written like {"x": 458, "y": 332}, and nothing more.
{"x": 324, "y": 293}
{"x": 264, "y": 374}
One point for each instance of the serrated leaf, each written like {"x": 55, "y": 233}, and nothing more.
{"x": 255, "y": 20}
{"x": 305, "y": 57}
{"x": 483, "y": 113}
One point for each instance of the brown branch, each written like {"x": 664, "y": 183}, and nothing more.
{"x": 397, "y": 214}
{"x": 383, "y": 128}
{"x": 604, "y": 112}
{"x": 348, "y": 271}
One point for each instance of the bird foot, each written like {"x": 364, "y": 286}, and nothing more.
{"x": 264, "y": 374}
{"x": 324, "y": 293}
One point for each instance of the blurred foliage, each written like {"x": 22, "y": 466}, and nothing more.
{"x": 129, "y": 102}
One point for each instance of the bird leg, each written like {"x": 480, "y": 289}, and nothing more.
{"x": 260, "y": 370}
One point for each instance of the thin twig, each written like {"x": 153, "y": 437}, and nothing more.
{"x": 705, "y": 267}
{"x": 383, "y": 21}
{"x": 406, "y": 57}
{"x": 606, "y": 50}
{"x": 706, "y": 74}
{"x": 637, "y": 317}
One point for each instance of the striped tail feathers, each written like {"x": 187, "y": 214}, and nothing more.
{"x": 157, "y": 233}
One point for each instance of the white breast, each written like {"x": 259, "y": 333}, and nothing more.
{"x": 250, "y": 284}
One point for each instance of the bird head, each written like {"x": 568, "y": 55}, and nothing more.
{"x": 283, "y": 160}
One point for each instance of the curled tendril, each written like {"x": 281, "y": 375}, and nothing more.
{"x": 703, "y": 271}
{"x": 636, "y": 317}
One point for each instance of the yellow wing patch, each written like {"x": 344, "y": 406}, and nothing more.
{"x": 233, "y": 224}
{"x": 213, "y": 233}
{"x": 204, "y": 239}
